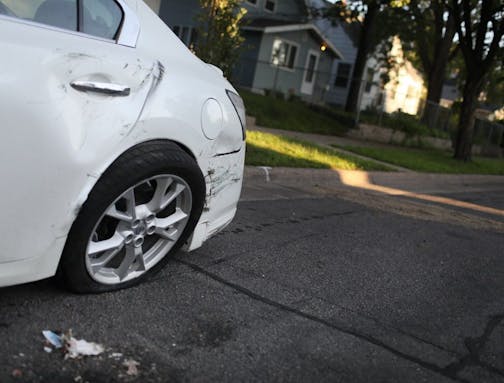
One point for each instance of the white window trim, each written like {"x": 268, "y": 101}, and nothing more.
{"x": 274, "y": 8}
{"x": 281, "y": 67}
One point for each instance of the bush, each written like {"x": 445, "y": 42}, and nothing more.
{"x": 344, "y": 118}
{"x": 406, "y": 123}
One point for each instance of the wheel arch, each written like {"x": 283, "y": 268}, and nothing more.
{"x": 96, "y": 188}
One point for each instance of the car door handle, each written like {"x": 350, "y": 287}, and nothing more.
{"x": 101, "y": 87}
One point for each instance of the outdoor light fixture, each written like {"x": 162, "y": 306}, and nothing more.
{"x": 323, "y": 47}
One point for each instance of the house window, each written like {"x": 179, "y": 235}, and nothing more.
{"x": 342, "y": 75}
{"x": 284, "y": 54}
{"x": 369, "y": 80}
{"x": 188, "y": 35}
{"x": 310, "y": 70}
{"x": 253, "y": 2}
{"x": 270, "y": 5}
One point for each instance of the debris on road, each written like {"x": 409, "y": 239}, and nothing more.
{"x": 17, "y": 373}
{"x": 54, "y": 339}
{"x": 77, "y": 348}
{"x": 132, "y": 366}
{"x": 73, "y": 348}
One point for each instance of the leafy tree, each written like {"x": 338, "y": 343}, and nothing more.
{"x": 220, "y": 40}
{"x": 494, "y": 86}
{"x": 480, "y": 29}
{"x": 431, "y": 28}
{"x": 368, "y": 13}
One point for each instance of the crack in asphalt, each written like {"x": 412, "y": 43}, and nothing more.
{"x": 386, "y": 325}
{"x": 447, "y": 373}
{"x": 475, "y": 346}
{"x": 344, "y": 308}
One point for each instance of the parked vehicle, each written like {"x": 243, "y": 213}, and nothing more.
{"x": 118, "y": 147}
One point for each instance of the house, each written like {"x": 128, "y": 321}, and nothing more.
{"x": 404, "y": 91}
{"x": 283, "y": 50}
{"x": 286, "y": 52}
{"x": 343, "y": 35}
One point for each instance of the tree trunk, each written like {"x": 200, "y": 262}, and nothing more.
{"x": 437, "y": 71}
{"x": 435, "y": 83}
{"x": 463, "y": 145}
{"x": 440, "y": 61}
{"x": 365, "y": 43}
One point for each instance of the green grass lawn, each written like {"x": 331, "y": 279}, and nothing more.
{"x": 432, "y": 161}
{"x": 293, "y": 115}
{"x": 264, "y": 149}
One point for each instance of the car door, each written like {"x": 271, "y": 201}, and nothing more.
{"x": 71, "y": 82}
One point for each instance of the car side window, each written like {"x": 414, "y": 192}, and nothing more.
{"x": 101, "y": 18}
{"x": 57, "y": 13}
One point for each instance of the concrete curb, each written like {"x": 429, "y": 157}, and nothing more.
{"x": 412, "y": 182}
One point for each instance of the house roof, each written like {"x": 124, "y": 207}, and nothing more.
{"x": 278, "y": 26}
{"x": 351, "y": 28}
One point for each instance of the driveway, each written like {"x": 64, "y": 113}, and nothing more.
{"x": 315, "y": 280}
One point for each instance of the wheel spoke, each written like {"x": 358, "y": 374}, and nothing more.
{"x": 164, "y": 223}
{"x": 129, "y": 196}
{"x": 170, "y": 235}
{"x": 102, "y": 261}
{"x": 157, "y": 201}
{"x": 120, "y": 215}
{"x": 169, "y": 198}
{"x": 132, "y": 254}
{"x": 113, "y": 243}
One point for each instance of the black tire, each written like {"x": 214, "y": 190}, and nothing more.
{"x": 137, "y": 164}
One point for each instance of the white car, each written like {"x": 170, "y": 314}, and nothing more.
{"x": 118, "y": 146}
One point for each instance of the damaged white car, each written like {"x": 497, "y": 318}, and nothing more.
{"x": 119, "y": 146}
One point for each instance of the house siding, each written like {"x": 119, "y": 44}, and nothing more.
{"x": 246, "y": 67}
{"x": 339, "y": 37}
{"x": 268, "y": 76}
{"x": 292, "y": 10}
{"x": 176, "y": 12}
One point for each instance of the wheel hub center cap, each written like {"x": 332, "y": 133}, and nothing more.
{"x": 140, "y": 229}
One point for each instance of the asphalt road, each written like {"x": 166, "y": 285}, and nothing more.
{"x": 345, "y": 287}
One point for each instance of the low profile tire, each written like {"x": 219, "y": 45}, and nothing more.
{"x": 140, "y": 212}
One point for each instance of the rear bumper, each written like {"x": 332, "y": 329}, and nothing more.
{"x": 224, "y": 178}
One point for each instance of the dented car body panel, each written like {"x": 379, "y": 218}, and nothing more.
{"x": 58, "y": 139}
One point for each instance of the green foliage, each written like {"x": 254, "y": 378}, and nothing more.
{"x": 494, "y": 85}
{"x": 411, "y": 125}
{"x": 431, "y": 161}
{"x": 294, "y": 115}
{"x": 219, "y": 34}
